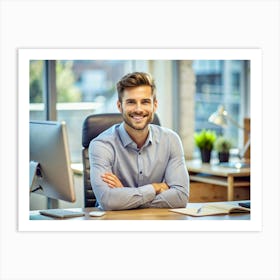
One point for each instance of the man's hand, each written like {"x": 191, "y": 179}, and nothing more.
{"x": 160, "y": 187}
{"x": 112, "y": 180}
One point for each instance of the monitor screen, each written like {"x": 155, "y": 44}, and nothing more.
{"x": 50, "y": 165}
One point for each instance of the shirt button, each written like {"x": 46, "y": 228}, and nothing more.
{"x": 140, "y": 172}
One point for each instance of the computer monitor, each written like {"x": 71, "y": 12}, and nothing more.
{"x": 50, "y": 166}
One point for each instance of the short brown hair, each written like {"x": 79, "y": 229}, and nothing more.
{"x": 135, "y": 79}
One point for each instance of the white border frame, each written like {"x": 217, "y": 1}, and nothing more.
{"x": 24, "y": 57}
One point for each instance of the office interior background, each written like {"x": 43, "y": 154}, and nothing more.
{"x": 188, "y": 93}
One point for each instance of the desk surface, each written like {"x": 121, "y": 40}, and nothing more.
{"x": 215, "y": 169}
{"x": 146, "y": 214}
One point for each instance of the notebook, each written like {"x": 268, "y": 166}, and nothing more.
{"x": 212, "y": 209}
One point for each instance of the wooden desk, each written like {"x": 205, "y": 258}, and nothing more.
{"x": 218, "y": 175}
{"x": 145, "y": 214}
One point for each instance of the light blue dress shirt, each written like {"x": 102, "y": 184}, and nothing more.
{"x": 161, "y": 159}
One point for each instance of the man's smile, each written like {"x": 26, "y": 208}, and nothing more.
{"x": 138, "y": 118}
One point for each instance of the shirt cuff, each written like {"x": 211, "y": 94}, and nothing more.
{"x": 148, "y": 193}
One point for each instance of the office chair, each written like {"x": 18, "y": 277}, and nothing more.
{"x": 93, "y": 125}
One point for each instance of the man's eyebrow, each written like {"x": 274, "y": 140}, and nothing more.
{"x": 134, "y": 100}
{"x": 129, "y": 99}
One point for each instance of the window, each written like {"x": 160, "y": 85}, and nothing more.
{"x": 36, "y": 72}
{"x": 82, "y": 87}
{"x": 220, "y": 82}
{"x": 79, "y": 88}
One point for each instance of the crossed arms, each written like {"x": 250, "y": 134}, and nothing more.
{"x": 113, "y": 182}
{"x": 171, "y": 191}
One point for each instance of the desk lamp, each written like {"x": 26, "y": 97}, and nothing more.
{"x": 221, "y": 118}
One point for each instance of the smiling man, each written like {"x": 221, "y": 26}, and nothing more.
{"x": 137, "y": 164}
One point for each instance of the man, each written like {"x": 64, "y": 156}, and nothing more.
{"x": 137, "y": 164}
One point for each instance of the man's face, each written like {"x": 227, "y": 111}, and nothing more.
{"x": 138, "y": 107}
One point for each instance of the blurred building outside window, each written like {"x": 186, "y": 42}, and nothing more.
{"x": 221, "y": 82}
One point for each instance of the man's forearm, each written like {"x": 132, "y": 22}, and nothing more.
{"x": 164, "y": 197}
{"x": 125, "y": 197}
{"x": 113, "y": 182}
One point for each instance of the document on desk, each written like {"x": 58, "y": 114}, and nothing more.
{"x": 212, "y": 209}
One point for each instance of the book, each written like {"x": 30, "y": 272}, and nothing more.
{"x": 210, "y": 209}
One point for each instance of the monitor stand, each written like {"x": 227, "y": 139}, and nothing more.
{"x": 34, "y": 172}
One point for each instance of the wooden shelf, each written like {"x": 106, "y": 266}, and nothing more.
{"x": 212, "y": 175}
{"x": 220, "y": 181}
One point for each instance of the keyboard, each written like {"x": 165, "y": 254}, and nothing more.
{"x": 61, "y": 213}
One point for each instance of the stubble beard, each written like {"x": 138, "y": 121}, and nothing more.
{"x": 141, "y": 126}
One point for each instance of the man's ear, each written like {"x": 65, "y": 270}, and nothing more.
{"x": 119, "y": 105}
{"x": 155, "y": 105}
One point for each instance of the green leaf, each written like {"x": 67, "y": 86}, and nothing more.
{"x": 205, "y": 139}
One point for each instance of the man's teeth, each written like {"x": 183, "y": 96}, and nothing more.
{"x": 138, "y": 117}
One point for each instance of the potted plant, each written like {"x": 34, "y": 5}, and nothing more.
{"x": 205, "y": 140}
{"x": 223, "y": 145}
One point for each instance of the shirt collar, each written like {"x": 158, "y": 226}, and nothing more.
{"x": 126, "y": 140}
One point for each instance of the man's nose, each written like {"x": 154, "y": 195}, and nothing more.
{"x": 138, "y": 107}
